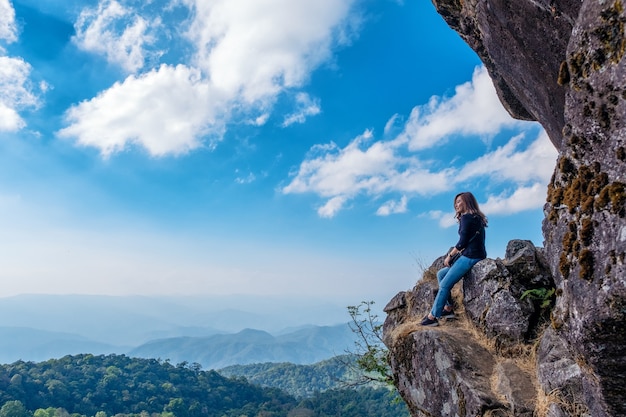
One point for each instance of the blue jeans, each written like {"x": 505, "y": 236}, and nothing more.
{"x": 447, "y": 277}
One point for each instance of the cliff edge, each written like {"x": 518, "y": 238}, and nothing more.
{"x": 560, "y": 63}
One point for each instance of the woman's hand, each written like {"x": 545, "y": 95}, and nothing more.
{"x": 446, "y": 262}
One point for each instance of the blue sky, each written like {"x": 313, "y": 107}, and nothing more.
{"x": 264, "y": 147}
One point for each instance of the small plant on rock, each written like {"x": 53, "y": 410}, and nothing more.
{"x": 372, "y": 357}
{"x": 543, "y": 296}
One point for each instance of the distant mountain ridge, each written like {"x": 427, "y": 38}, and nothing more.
{"x": 304, "y": 346}
{"x": 133, "y": 320}
{"x": 23, "y": 343}
{"x": 210, "y": 331}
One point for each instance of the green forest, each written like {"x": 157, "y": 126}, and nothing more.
{"x": 301, "y": 381}
{"x": 117, "y": 385}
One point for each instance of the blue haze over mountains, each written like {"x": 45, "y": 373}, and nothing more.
{"x": 212, "y": 331}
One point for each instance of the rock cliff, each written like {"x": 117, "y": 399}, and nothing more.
{"x": 515, "y": 351}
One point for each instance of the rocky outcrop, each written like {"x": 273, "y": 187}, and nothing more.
{"x": 560, "y": 62}
{"x": 482, "y": 363}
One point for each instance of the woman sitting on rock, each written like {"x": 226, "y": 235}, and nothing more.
{"x": 471, "y": 245}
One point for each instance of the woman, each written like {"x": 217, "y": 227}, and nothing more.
{"x": 471, "y": 244}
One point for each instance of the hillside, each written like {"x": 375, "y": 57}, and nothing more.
{"x": 88, "y": 385}
{"x": 298, "y": 380}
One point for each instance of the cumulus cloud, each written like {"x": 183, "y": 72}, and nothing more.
{"x": 247, "y": 52}
{"x": 10, "y": 120}
{"x": 474, "y": 109}
{"x": 256, "y": 48}
{"x": 509, "y": 162}
{"x": 8, "y": 30}
{"x": 524, "y": 198}
{"x": 116, "y": 32}
{"x": 363, "y": 167}
{"x": 164, "y": 111}
{"x": 16, "y": 93}
{"x": 376, "y": 168}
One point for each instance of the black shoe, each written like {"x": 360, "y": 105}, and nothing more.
{"x": 428, "y": 322}
{"x": 448, "y": 314}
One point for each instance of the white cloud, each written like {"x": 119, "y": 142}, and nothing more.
{"x": 360, "y": 167}
{"x": 305, "y": 106}
{"x": 15, "y": 93}
{"x": 260, "y": 120}
{"x": 331, "y": 171}
{"x": 98, "y": 30}
{"x": 377, "y": 168}
{"x": 392, "y": 124}
{"x": 332, "y": 207}
{"x": 473, "y": 110}
{"x": 393, "y": 207}
{"x": 445, "y": 219}
{"x": 521, "y": 199}
{"x": 165, "y": 111}
{"x": 524, "y": 198}
{"x": 536, "y": 163}
{"x": 10, "y": 120}
{"x": 248, "y": 52}
{"x": 256, "y": 48}
{"x": 8, "y": 30}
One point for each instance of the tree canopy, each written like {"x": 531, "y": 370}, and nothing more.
{"x": 117, "y": 385}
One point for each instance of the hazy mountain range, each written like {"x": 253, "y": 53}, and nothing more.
{"x": 215, "y": 332}
{"x": 304, "y": 346}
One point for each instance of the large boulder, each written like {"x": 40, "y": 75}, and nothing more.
{"x": 493, "y": 307}
{"x": 503, "y": 297}
{"x": 449, "y": 376}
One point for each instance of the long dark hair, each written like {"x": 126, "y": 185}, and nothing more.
{"x": 471, "y": 206}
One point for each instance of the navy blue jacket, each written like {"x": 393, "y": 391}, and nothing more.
{"x": 469, "y": 224}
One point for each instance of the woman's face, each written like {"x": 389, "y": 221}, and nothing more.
{"x": 459, "y": 206}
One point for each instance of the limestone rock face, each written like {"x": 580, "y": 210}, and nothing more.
{"x": 560, "y": 62}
